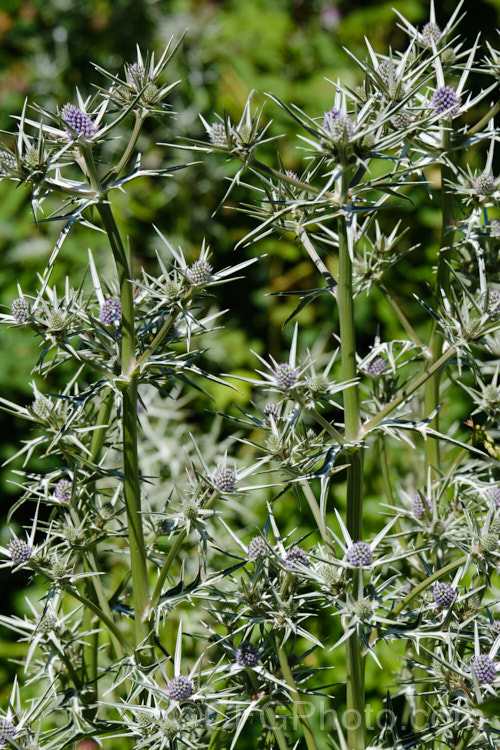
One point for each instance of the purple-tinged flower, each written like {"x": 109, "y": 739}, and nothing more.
{"x": 495, "y": 628}
{"x": 431, "y": 33}
{"x": 446, "y": 101}
{"x": 179, "y": 688}
{"x": 62, "y": 490}
{"x": 20, "y": 310}
{"x": 19, "y": 551}
{"x": 7, "y": 729}
{"x": 296, "y": 556}
{"x": 272, "y": 410}
{"x": 257, "y": 547}
{"x": 484, "y": 668}
{"x": 417, "y": 505}
{"x": 225, "y": 479}
{"x": 247, "y": 655}
{"x": 494, "y": 494}
{"x": 359, "y": 554}
{"x": 199, "y": 272}
{"x": 80, "y": 123}
{"x": 376, "y": 366}
{"x": 135, "y": 74}
{"x": 443, "y": 593}
{"x": 339, "y": 126}
{"x": 285, "y": 375}
{"x": 110, "y": 312}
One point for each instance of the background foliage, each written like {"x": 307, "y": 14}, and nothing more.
{"x": 230, "y": 48}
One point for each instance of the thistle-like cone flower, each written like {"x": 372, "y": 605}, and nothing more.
{"x": 257, "y": 547}
{"x": 19, "y": 551}
{"x": 484, "y": 668}
{"x": 446, "y": 101}
{"x": 338, "y": 126}
{"x": 62, "y": 490}
{"x": 7, "y": 729}
{"x": 443, "y": 594}
{"x": 81, "y": 124}
{"x": 495, "y": 228}
{"x": 20, "y": 310}
{"x": 247, "y": 655}
{"x": 484, "y": 184}
{"x": 431, "y": 33}
{"x": 296, "y": 556}
{"x": 285, "y": 375}
{"x": 199, "y": 272}
{"x": 225, "y": 479}
{"x": 179, "y": 688}
{"x": 217, "y": 134}
{"x": 376, "y": 366}
{"x": 110, "y": 312}
{"x": 272, "y": 410}
{"x": 494, "y": 494}
{"x": 359, "y": 554}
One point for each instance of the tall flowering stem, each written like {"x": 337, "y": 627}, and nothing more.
{"x": 356, "y": 737}
{"x": 129, "y": 380}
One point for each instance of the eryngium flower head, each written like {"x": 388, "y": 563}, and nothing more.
{"x": 8, "y": 163}
{"x": 402, "y": 120}
{"x": 363, "y": 609}
{"x": 19, "y": 551}
{"x": 136, "y": 75}
{"x": 417, "y": 505}
{"x": 494, "y": 494}
{"x": 495, "y": 628}
{"x": 199, "y": 272}
{"x": 318, "y": 384}
{"x": 272, "y": 410}
{"x": 489, "y": 543}
{"x": 179, "y": 688}
{"x": 484, "y": 668}
{"x": 338, "y": 126}
{"x": 484, "y": 184}
{"x": 296, "y": 556}
{"x": 445, "y": 101}
{"x": 20, "y": 310}
{"x": 225, "y": 479}
{"x": 62, "y": 490}
{"x": 81, "y": 124}
{"x": 217, "y": 134}
{"x": 247, "y": 655}
{"x": 7, "y": 729}
{"x": 110, "y": 312}
{"x": 285, "y": 375}
{"x": 443, "y": 594}
{"x": 493, "y": 302}
{"x": 495, "y": 228}
{"x": 257, "y": 547}
{"x": 431, "y": 33}
{"x": 376, "y": 366}
{"x": 359, "y": 554}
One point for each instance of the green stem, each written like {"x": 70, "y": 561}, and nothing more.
{"x": 318, "y": 517}
{"x": 287, "y": 673}
{"x": 400, "y": 314}
{"x": 132, "y": 490}
{"x": 355, "y": 693}
{"x": 139, "y": 120}
{"x": 386, "y": 477}
{"x": 432, "y": 391}
{"x": 270, "y": 717}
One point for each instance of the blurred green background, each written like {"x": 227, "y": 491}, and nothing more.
{"x": 287, "y": 48}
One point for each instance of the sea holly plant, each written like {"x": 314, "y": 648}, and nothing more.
{"x": 175, "y": 612}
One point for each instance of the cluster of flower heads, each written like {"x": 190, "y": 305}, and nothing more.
{"x": 180, "y": 687}
{"x": 338, "y": 126}
{"x": 444, "y": 594}
{"x": 446, "y": 101}
{"x": 484, "y": 668}
{"x": 20, "y": 551}
{"x": 110, "y": 312}
{"x": 359, "y": 554}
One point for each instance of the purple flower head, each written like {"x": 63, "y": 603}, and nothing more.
{"x": 285, "y": 375}
{"x": 272, "y": 410}
{"x": 225, "y": 479}
{"x": 376, "y": 366}
{"x": 62, "y": 490}
{"x": 484, "y": 668}
{"x": 7, "y": 729}
{"x": 247, "y": 655}
{"x": 446, "y": 101}
{"x": 20, "y": 310}
{"x": 19, "y": 551}
{"x": 417, "y": 505}
{"x": 81, "y": 124}
{"x": 443, "y": 593}
{"x": 257, "y": 547}
{"x": 338, "y": 126}
{"x": 179, "y": 688}
{"x": 494, "y": 494}
{"x": 359, "y": 554}
{"x": 296, "y": 556}
{"x": 110, "y": 312}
